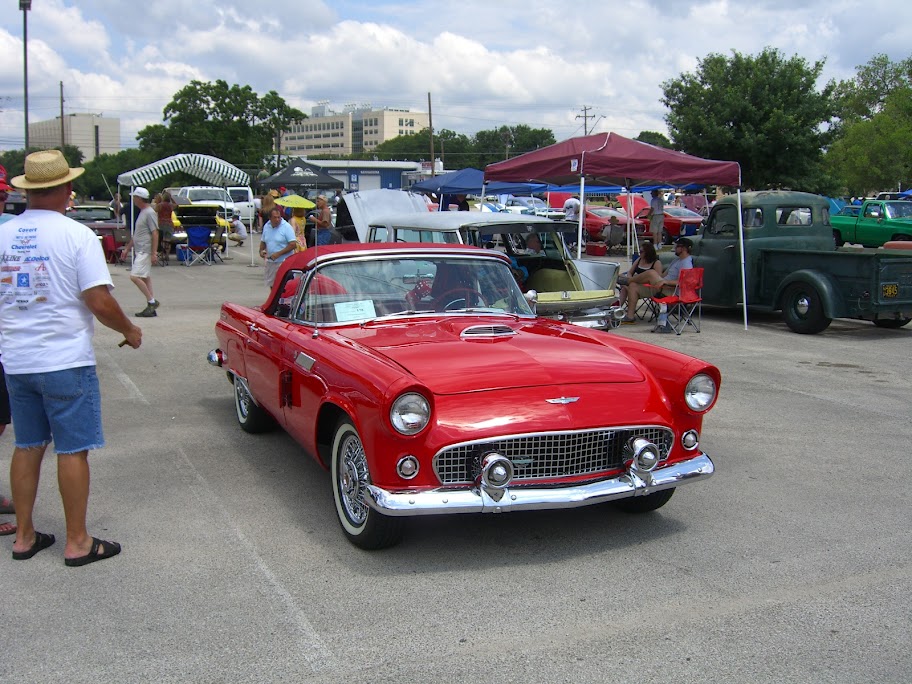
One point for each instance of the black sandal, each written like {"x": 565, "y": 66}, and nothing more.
{"x": 42, "y": 541}
{"x": 110, "y": 549}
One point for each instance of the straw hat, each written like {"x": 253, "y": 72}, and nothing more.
{"x": 46, "y": 169}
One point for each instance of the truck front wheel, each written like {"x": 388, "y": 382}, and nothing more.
{"x": 803, "y": 309}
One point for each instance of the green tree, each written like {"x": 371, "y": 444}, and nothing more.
{"x": 875, "y": 153}
{"x": 654, "y": 138}
{"x": 229, "y": 122}
{"x": 458, "y": 151}
{"x": 403, "y": 148}
{"x": 866, "y": 95}
{"x": 14, "y": 160}
{"x": 100, "y": 177}
{"x": 764, "y": 112}
{"x": 509, "y": 141}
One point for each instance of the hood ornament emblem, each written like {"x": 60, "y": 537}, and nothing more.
{"x": 563, "y": 400}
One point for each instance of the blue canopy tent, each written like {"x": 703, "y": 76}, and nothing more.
{"x": 471, "y": 182}
{"x": 908, "y": 193}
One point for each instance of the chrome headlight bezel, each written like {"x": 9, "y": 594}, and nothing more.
{"x": 700, "y": 393}
{"x": 410, "y": 413}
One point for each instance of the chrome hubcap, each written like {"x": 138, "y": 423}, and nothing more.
{"x": 243, "y": 398}
{"x": 802, "y": 305}
{"x": 353, "y": 479}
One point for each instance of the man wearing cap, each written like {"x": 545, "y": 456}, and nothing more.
{"x": 144, "y": 242}
{"x": 55, "y": 282}
{"x": 651, "y": 284}
{"x": 237, "y": 231}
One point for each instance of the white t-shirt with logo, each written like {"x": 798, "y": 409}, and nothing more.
{"x": 571, "y": 209}
{"x": 46, "y": 262}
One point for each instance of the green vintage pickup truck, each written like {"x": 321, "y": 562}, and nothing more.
{"x": 877, "y": 222}
{"x": 792, "y": 265}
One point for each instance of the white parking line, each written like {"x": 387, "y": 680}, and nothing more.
{"x": 121, "y": 376}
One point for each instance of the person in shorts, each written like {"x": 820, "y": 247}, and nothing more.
{"x": 144, "y": 243}
{"x": 165, "y": 213}
{"x": 48, "y": 307}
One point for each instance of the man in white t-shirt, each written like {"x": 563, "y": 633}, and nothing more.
{"x": 572, "y": 209}
{"x": 144, "y": 243}
{"x": 656, "y": 217}
{"x": 55, "y": 284}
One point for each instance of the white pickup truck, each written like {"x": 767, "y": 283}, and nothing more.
{"x": 244, "y": 203}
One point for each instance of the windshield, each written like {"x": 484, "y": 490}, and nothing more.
{"x": 358, "y": 290}
{"x": 211, "y": 194}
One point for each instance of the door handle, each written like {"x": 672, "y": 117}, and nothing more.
{"x": 252, "y": 327}
{"x": 729, "y": 247}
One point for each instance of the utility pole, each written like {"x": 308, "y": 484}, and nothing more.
{"x": 25, "y": 6}
{"x": 585, "y": 117}
{"x": 62, "y": 134}
{"x": 431, "y": 130}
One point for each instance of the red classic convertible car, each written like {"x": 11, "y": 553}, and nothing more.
{"x": 420, "y": 377}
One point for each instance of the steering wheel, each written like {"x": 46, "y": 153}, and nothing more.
{"x": 458, "y": 295}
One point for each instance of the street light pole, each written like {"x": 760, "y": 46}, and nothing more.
{"x": 25, "y": 6}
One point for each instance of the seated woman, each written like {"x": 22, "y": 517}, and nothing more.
{"x": 652, "y": 284}
{"x": 647, "y": 261}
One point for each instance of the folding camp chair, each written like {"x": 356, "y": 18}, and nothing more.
{"x": 685, "y": 306}
{"x": 198, "y": 247}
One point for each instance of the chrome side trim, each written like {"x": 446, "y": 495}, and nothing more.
{"x": 480, "y": 499}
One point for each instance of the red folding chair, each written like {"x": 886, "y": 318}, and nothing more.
{"x": 685, "y": 306}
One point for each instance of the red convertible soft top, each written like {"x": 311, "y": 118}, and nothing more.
{"x": 306, "y": 260}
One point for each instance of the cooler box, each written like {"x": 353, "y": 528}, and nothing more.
{"x": 596, "y": 248}
{"x": 181, "y": 252}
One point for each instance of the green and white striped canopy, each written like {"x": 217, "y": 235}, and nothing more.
{"x": 211, "y": 169}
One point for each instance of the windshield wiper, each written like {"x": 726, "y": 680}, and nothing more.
{"x": 484, "y": 310}
{"x": 398, "y": 314}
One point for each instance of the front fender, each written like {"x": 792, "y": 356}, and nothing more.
{"x": 830, "y": 295}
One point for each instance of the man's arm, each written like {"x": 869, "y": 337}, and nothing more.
{"x": 290, "y": 247}
{"x": 108, "y": 312}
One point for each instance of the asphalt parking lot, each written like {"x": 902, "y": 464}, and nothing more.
{"x": 790, "y": 565}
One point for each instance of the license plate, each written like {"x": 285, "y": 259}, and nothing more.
{"x": 890, "y": 290}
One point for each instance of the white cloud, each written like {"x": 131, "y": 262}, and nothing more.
{"x": 521, "y": 61}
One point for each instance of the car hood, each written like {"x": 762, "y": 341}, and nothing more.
{"x": 468, "y": 354}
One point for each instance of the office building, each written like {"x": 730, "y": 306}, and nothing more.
{"x": 93, "y": 134}
{"x": 357, "y": 129}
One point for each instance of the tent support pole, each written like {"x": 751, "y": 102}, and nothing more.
{"x": 631, "y": 225}
{"x": 582, "y": 213}
{"x": 741, "y": 247}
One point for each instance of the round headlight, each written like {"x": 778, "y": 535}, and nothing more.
{"x": 410, "y": 413}
{"x": 700, "y": 392}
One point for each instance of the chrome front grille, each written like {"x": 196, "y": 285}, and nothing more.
{"x": 549, "y": 455}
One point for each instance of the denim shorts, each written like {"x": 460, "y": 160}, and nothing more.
{"x": 63, "y": 406}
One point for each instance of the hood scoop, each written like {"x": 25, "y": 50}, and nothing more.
{"x": 476, "y": 332}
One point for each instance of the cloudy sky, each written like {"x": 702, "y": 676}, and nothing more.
{"x": 485, "y": 63}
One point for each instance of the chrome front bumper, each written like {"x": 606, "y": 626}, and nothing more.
{"x": 483, "y": 499}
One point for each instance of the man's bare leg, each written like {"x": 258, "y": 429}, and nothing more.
{"x": 144, "y": 285}
{"x": 25, "y": 471}
{"x": 73, "y": 481}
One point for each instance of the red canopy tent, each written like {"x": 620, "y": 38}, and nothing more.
{"x": 611, "y": 159}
